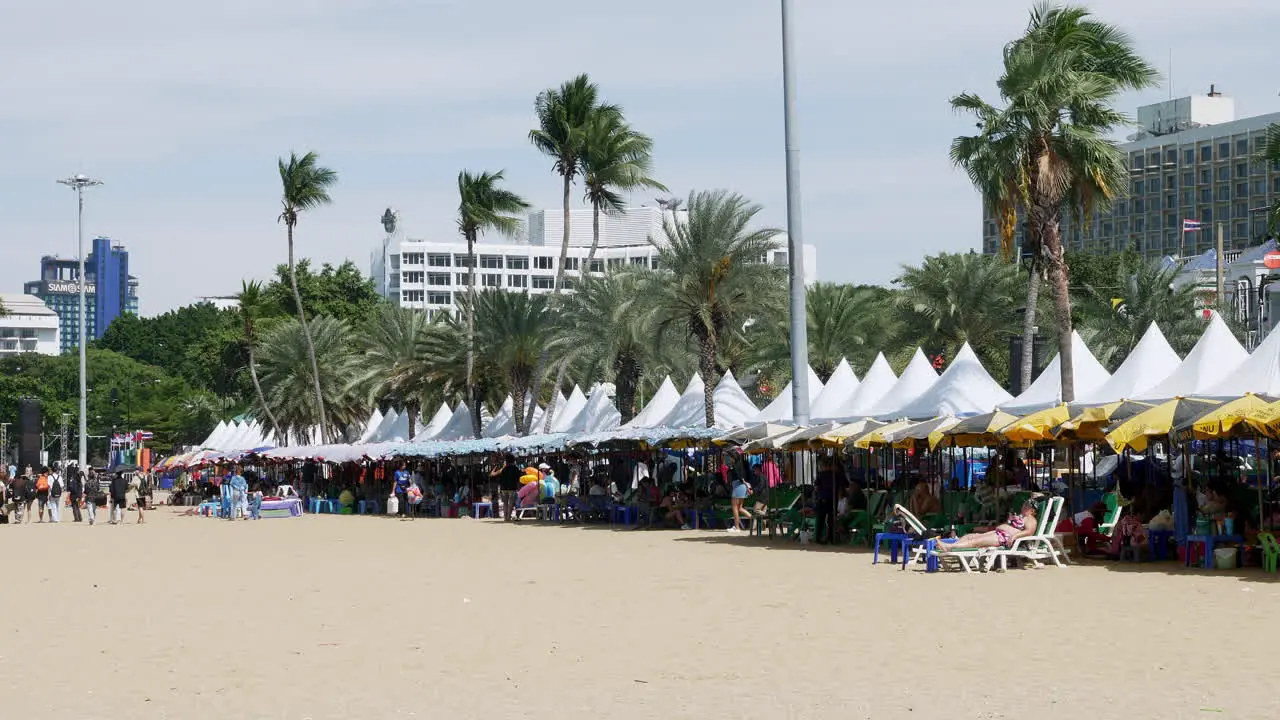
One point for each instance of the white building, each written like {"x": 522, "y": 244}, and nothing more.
{"x": 28, "y": 326}
{"x": 429, "y": 274}
{"x": 1190, "y": 160}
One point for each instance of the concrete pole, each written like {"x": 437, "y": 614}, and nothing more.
{"x": 1222, "y": 304}
{"x": 795, "y": 236}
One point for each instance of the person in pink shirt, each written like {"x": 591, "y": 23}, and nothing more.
{"x": 769, "y": 470}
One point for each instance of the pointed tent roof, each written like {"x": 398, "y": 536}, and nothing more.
{"x": 661, "y": 404}
{"x": 780, "y": 409}
{"x": 436, "y": 423}
{"x": 397, "y": 430}
{"x": 878, "y": 381}
{"x": 383, "y": 430}
{"x": 370, "y": 425}
{"x": 539, "y": 419}
{"x": 219, "y": 430}
{"x": 841, "y": 386}
{"x": 504, "y": 423}
{"x": 459, "y": 425}
{"x": 1148, "y": 364}
{"x": 597, "y": 415}
{"x": 569, "y": 411}
{"x": 1259, "y": 374}
{"x": 917, "y": 378}
{"x": 732, "y": 406}
{"x": 964, "y": 388}
{"x": 1046, "y": 391}
{"x": 1216, "y": 355}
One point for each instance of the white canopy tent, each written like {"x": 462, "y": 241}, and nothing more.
{"x": 1087, "y": 376}
{"x": 384, "y": 430}
{"x": 964, "y": 388}
{"x": 1259, "y": 374}
{"x": 731, "y": 405}
{"x": 916, "y": 379}
{"x": 1215, "y": 357}
{"x": 436, "y": 423}
{"x": 597, "y": 415}
{"x": 1148, "y": 364}
{"x": 565, "y": 416}
{"x": 780, "y": 409}
{"x": 459, "y": 425}
{"x": 659, "y": 405}
{"x": 397, "y": 429}
{"x": 841, "y": 386}
{"x": 504, "y": 423}
{"x": 878, "y": 381}
{"x": 215, "y": 436}
{"x": 370, "y": 426}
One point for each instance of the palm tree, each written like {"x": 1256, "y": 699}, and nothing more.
{"x": 394, "y": 369}
{"x": 305, "y": 187}
{"x": 951, "y": 299}
{"x": 287, "y": 386}
{"x": 711, "y": 278}
{"x": 483, "y": 206}
{"x": 445, "y": 354}
{"x": 514, "y": 330}
{"x": 1269, "y": 154}
{"x": 845, "y": 321}
{"x": 607, "y": 324}
{"x": 1048, "y": 146}
{"x": 251, "y": 306}
{"x": 564, "y": 115}
{"x": 616, "y": 159}
{"x": 1114, "y": 318}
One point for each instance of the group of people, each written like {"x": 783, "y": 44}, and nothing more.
{"x": 41, "y": 493}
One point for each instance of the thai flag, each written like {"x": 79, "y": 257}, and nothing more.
{"x": 1190, "y": 225}
{"x": 144, "y": 435}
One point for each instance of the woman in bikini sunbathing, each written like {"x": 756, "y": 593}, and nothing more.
{"x": 1017, "y": 526}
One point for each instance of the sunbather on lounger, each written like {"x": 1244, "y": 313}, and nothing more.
{"x": 1017, "y": 526}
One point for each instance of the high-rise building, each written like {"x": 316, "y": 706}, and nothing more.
{"x": 1190, "y": 160}
{"x": 110, "y": 290}
{"x": 431, "y": 275}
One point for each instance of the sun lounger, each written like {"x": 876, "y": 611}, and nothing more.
{"x": 1041, "y": 545}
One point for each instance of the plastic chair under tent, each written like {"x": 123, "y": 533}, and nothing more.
{"x": 1270, "y": 551}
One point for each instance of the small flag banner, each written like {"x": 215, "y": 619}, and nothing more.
{"x": 1190, "y": 225}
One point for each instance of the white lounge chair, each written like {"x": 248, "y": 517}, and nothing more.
{"x": 1043, "y": 544}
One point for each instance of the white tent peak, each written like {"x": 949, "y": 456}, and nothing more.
{"x": 731, "y": 405}
{"x": 659, "y": 405}
{"x": 878, "y": 381}
{"x": 964, "y": 388}
{"x": 598, "y": 414}
{"x": 436, "y": 423}
{"x": 459, "y": 425}
{"x": 1259, "y": 374}
{"x": 780, "y": 409}
{"x": 916, "y": 378}
{"x": 568, "y": 410}
{"x": 1215, "y": 357}
{"x": 841, "y": 386}
{"x": 1148, "y": 364}
{"x": 1088, "y": 375}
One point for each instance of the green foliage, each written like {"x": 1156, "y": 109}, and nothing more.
{"x": 952, "y": 299}
{"x": 1269, "y": 156}
{"x": 393, "y": 368}
{"x": 304, "y": 186}
{"x": 1114, "y": 315}
{"x": 284, "y": 369}
{"x": 1091, "y": 271}
{"x": 197, "y": 343}
{"x": 485, "y": 206}
{"x": 123, "y": 395}
{"x": 341, "y": 292}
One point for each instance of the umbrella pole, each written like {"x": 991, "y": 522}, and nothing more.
{"x": 1257, "y": 448}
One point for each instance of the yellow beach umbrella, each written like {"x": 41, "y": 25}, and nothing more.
{"x": 1089, "y": 424}
{"x": 837, "y": 436}
{"x": 1037, "y": 426}
{"x": 877, "y": 436}
{"x": 1157, "y": 421}
{"x": 1221, "y": 421}
{"x": 909, "y": 435}
{"x": 976, "y": 431}
{"x": 1265, "y": 420}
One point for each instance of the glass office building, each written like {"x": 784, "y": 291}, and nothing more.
{"x": 109, "y": 293}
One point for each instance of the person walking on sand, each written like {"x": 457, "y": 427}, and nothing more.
{"x": 55, "y": 495}
{"x": 42, "y": 495}
{"x": 239, "y": 496}
{"x": 75, "y": 490}
{"x": 119, "y": 498}
{"x": 92, "y": 496}
{"x": 142, "y": 484}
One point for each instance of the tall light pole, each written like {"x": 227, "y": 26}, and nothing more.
{"x": 79, "y": 183}
{"x": 795, "y": 241}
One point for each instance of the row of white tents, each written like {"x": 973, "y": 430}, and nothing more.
{"x": 1217, "y": 366}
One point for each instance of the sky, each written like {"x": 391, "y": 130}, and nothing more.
{"x": 183, "y": 108}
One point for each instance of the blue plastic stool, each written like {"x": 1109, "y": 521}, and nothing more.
{"x": 898, "y": 542}
{"x": 477, "y": 507}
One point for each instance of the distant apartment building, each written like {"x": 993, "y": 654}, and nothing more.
{"x": 432, "y": 274}
{"x": 110, "y": 290}
{"x": 1190, "y": 160}
{"x": 27, "y": 326}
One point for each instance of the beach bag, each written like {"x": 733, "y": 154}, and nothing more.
{"x": 393, "y": 505}
{"x": 414, "y": 495}
{"x": 42, "y": 483}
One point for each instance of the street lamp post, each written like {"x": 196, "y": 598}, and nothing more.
{"x": 795, "y": 241}
{"x": 79, "y": 183}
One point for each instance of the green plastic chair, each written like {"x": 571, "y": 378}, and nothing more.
{"x": 864, "y": 521}
{"x": 1270, "y": 551}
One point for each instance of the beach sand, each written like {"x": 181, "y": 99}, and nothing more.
{"x": 362, "y": 617}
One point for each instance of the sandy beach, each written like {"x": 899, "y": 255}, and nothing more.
{"x": 337, "y": 617}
